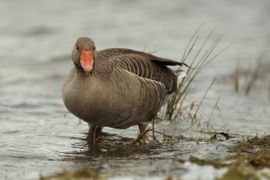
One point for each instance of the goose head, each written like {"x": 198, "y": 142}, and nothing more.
{"x": 84, "y": 54}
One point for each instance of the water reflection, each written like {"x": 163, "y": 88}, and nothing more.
{"x": 114, "y": 146}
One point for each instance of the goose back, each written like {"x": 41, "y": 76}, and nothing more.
{"x": 142, "y": 64}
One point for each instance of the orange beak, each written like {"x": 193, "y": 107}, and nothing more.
{"x": 86, "y": 60}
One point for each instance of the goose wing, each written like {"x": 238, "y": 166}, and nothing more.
{"x": 144, "y": 65}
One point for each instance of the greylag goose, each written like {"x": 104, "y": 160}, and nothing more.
{"x": 116, "y": 87}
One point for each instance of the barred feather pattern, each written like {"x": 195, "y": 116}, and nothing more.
{"x": 134, "y": 100}
{"x": 141, "y": 64}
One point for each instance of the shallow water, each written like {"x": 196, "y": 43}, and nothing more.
{"x": 39, "y": 136}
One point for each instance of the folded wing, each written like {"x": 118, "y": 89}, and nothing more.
{"x": 144, "y": 65}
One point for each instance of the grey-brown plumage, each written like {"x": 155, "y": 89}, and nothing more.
{"x": 123, "y": 87}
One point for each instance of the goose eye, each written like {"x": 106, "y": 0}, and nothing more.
{"x": 77, "y": 48}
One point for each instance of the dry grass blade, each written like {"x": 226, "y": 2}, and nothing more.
{"x": 236, "y": 77}
{"x": 251, "y": 82}
{"x": 200, "y": 104}
{"x": 269, "y": 87}
{"x": 212, "y": 113}
{"x": 191, "y": 41}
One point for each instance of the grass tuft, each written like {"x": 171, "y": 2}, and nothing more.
{"x": 199, "y": 55}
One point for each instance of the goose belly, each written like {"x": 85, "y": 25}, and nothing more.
{"x": 119, "y": 105}
{"x": 130, "y": 104}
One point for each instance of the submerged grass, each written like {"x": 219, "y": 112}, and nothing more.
{"x": 247, "y": 80}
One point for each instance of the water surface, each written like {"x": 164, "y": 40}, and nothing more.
{"x": 39, "y": 136}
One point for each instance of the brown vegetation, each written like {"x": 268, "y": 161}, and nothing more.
{"x": 245, "y": 80}
{"x": 250, "y": 156}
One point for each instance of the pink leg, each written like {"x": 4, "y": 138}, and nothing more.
{"x": 94, "y": 133}
{"x": 143, "y": 130}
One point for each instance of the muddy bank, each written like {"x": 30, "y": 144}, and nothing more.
{"x": 249, "y": 159}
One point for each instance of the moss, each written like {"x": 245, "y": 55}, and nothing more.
{"x": 240, "y": 172}
{"x": 213, "y": 162}
{"x": 249, "y": 160}
{"x": 79, "y": 174}
{"x": 256, "y": 151}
